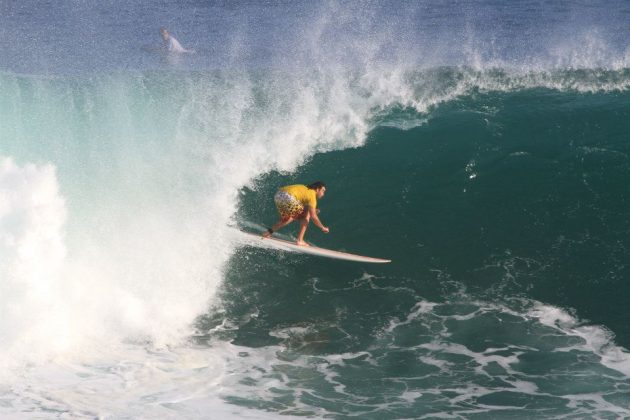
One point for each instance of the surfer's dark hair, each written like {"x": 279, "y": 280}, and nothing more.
{"x": 316, "y": 185}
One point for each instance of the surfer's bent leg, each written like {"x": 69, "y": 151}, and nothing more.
{"x": 305, "y": 219}
{"x": 281, "y": 223}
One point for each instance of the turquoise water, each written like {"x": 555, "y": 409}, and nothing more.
{"x": 483, "y": 148}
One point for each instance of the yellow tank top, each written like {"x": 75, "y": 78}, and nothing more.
{"x": 304, "y": 195}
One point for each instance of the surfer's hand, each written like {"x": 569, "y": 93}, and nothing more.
{"x": 325, "y": 229}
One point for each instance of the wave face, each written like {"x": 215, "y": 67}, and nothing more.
{"x": 480, "y": 147}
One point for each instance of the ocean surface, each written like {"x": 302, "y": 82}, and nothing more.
{"x": 483, "y": 146}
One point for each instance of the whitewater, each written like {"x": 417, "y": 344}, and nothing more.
{"x": 126, "y": 172}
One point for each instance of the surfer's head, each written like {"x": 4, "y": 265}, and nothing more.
{"x": 164, "y": 33}
{"x": 319, "y": 187}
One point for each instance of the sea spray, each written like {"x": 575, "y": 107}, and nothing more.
{"x": 32, "y": 253}
{"x": 149, "y": 168}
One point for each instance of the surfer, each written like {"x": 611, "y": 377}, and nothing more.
{"x": 298, "y": 202}
{"x": 171, "y": 44}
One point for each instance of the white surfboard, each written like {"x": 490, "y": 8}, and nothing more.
{"x": 277, "y": 243}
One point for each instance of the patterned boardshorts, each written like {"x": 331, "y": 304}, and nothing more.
{"x": 287, "y": 205}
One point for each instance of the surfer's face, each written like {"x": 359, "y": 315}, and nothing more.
{"x": 320, "y": 192}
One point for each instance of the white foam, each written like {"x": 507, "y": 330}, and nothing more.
{"x": 597, "y": 339}
{"x": 131, "y": 381}
{"x": 32, "y": 251}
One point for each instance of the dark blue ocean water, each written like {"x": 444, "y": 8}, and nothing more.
{"x": 483, "y": 146}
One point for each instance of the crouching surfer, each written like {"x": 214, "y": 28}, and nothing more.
{"x": 298, "y": 202}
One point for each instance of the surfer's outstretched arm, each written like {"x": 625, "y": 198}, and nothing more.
{"x": 313, "y": 214}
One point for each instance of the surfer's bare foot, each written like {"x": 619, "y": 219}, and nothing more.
{"x": 302, "y": 243}
{"x": 267, "y": 234}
